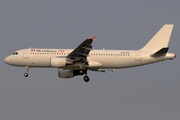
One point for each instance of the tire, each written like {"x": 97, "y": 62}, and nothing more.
{"x": 86, "y": 78}
{"x": 26, "y": 74}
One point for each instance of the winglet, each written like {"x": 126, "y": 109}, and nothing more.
{"x": 93, "y": 38}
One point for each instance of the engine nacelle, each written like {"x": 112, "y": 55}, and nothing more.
{"x": 68, "y": 73}
{"x": 58, "y": 62}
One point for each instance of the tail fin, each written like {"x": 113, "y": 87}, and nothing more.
{"x": 160, "y": 39}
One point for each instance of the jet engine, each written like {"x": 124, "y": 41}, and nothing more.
{"x": 68, "y": 73}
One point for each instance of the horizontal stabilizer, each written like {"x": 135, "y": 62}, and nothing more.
{"x": 161, "y": 52}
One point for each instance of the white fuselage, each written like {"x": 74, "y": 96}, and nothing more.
{"x": 108, "y": 59}
{"x": 73, "y": 62}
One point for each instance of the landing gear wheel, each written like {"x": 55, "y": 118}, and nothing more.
{"x": 26, "y": 74}
{"x": 81, "y": 71}
{"x": 86, "y": 78}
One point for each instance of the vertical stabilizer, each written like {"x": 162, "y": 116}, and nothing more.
{"x": 160, "y": 39}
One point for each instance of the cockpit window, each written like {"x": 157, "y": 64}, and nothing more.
{"x": 15, "y": 53}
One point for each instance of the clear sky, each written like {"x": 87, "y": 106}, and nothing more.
{"x": 143, "y": 93}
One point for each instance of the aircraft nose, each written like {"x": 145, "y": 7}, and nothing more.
{"x": 7, "y": 60}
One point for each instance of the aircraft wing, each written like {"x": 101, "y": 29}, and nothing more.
{"x": 82, "y": 51}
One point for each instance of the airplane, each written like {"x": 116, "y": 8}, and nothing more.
{"x": 73, "y": 62}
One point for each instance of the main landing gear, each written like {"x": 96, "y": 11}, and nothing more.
{"x": 86, "y": 78}
{"x": 27, "y": 69}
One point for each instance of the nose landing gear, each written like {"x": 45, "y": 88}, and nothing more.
{"x": 26, "y": 74}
